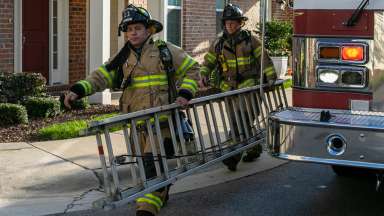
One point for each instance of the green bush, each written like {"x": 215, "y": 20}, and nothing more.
{"x": 15, "y": 87}
{"x": 12, "y": 114}
{"x": 287, "y": 83}
{"x": 278, "y": 38}
{"x": 81, "y": 104}
{"x": 77, "y": 105}
{"x": 42, "y": 106}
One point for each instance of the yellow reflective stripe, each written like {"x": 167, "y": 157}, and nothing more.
{"x": 211, "y": 58}
{"x": 157, "y": 199}
{"x": 148, "y": 77}
{"x": 106, "y": 74}
{"x": 149, "y": 201}
{"x": 269, "y": 71}
{"x": 191, "y": 82}
{"x": 240, "y": 61}
{"x": 257, "y": 52}
{"x": 204, "y": 70}
{"x": 190, "y": 85}
{"x": 188, "y": 62}
{"x": 149, "y": 80}
{"x": 87, "y": 86}
{"x": 247, "y": 83}
{"x": 149, "y": 83}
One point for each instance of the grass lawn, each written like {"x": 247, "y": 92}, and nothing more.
{"x": 70, "y": 129}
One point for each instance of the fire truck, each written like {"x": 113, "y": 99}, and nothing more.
{"x": 337, "y": 115}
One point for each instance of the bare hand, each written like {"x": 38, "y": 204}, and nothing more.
{"x": 71, "y": 96}
{"x": 182, "y": 101}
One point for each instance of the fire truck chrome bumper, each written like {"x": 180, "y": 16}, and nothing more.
{"x": 329, "y": 161}
{"x": 348, "y": 139}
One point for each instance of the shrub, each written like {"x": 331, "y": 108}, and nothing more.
{"x": 278, "y": 38}
{"x": 15, "y": 87}
{"x": 12, "y": 114}
{"x": 77, "y": 105}
{"x": 42, "y": 106}
{"x": 81, "y": 104}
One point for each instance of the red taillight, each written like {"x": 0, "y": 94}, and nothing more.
{"x": 352, "y": 53}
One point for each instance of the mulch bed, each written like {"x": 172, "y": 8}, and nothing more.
{"x": 27, "y": 133}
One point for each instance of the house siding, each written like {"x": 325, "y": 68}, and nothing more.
{"x": 6, "y": 36}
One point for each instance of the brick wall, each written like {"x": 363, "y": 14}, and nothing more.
{"x": 77, "y": 40}
{"x": 251, "y": 9}
{"x": 6, "y": 36}
{"x": 199, "y": 23}
{"x": 199, "y": 26}
{"x": 279, "y": 14}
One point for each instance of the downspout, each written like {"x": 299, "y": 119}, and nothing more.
{"x": 263, "y": 9}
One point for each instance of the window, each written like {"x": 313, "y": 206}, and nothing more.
{"x": 219, "y": 13}
{"x": 174, "y": 22}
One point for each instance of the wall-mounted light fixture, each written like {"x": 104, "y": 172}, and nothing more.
{"x": 284, "y": 4}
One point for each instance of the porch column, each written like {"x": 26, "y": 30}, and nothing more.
{"x": 158, "y": 11}
{"x": 99, "y": 33}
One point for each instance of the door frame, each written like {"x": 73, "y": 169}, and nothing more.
{"x": 61, "y": 74}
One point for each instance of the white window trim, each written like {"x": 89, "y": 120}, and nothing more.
{"x": 174, "y": 7}
{"x": 61, "y": 74}
{"x": 165, "y": 29}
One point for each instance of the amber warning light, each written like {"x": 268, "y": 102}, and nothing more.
{"x": 330, "y": 53}
{"x": 352, "y": 53}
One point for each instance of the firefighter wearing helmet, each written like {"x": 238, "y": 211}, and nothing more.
{"x": 233, "y": 62}
{"x": 138, "y": 69}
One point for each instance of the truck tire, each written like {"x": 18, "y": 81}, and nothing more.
{"x": 352, "y": 171}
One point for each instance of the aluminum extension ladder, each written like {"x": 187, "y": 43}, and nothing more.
{"x": 213, "y": 140}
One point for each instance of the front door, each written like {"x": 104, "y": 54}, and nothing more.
{"x": 36, "y": 36}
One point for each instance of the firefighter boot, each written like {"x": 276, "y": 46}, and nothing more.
{"x": 151, "y": 203}
{"x": 253, "y": 153}
{"x": 143, "y": 213}
{"x": 232, "y": 162}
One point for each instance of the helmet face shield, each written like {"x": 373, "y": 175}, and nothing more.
{"x": 133, "y": 14}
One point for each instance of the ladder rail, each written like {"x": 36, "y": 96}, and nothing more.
{"x": 243, "y": 116}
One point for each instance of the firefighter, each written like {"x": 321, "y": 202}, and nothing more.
{"x": 233, "y": 62}
{"x": 140, "y": 71}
